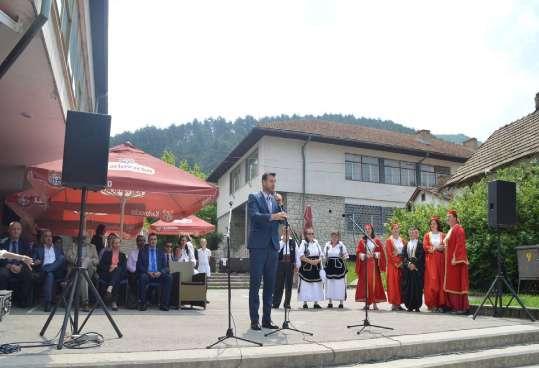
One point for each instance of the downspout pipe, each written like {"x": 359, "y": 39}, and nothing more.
{"x": 27, "y": 37}
{"x": 304, "y": 175}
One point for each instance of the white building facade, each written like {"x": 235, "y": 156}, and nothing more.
{"x": 333, "y": 175}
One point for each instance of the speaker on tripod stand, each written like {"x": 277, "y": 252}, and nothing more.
{"x": 502, "y": 214}
{"x": 85, "y": 167}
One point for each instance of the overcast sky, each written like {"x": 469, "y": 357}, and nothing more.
{"x": 451, "y": 67}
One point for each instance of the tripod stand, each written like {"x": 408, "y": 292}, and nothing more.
{"x": 72, "y": 289}
{"x": 230, "y": 332}
{"x": 366, "y": 323}
{"x": 286, "y": 322}
{"x": 497, "y": 288}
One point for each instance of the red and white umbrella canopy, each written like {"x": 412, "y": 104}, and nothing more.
{"x": 138, "y": 184}
{"x": 29, "y": 206}
{"x": 149, "y": 187}
{"x": 191, "y": 225}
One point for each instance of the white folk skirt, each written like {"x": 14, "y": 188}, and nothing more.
{"x": 310, "y": 291}
{"x": 336, "y": 289}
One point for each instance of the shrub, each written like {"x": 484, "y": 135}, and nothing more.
{"x": 471, "y": 205}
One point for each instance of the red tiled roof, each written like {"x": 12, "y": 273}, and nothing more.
{"x": 359, "y": 133}
{"x": 512, "y": 142}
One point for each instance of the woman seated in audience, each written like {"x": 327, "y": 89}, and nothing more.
{"x": 310, "y": 288}
{"x": 113, "y": 270}
{"x": 185, "y": 252}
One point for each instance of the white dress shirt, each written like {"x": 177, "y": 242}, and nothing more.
{"x": 49, "y": 255}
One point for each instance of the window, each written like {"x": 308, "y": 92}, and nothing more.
{"x": 361, "y": 214}
{"x": 408, "y": 174}
{"x": 362, "y": 168}
{"x": 399, "y": 172}
{"x": 235, "y": 179}
{"x": 392, "y": 172}
{"x": 251, "y": 166}
{"x": 423, "y": 197}
{"x": 433, "y": 175}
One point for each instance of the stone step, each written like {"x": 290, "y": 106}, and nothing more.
{"x": 512, "y": 356}
{"x": 496, "y": 347}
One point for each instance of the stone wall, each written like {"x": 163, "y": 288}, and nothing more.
{"x": 324, "y": 221}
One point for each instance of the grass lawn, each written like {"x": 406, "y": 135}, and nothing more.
{"x": 529, "y": 300}
{"x": 351, "y": 275}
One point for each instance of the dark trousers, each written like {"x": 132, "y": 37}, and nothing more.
{"x": 49, "y": 279}
{"x": 263, "y": 264}
{"x": 165, "y": 281}
{"x": 21, "y": 281}
{"x": 133, "y": 288}
{"x": 283, "y": 282}
{"x": 113, "y": 279}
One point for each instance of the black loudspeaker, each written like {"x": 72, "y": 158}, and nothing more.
{"x": 502, "y": 204}
{"x": 86, "y": 150}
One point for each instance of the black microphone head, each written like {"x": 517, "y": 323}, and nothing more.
{"x": 330, "y": 210}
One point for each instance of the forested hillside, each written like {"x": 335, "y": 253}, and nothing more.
{"x": 208, "y": 142}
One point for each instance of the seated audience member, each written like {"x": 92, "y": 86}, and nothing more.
{"x": 99, "y": 238}
{"x": 185, "y": 251}
{"x": 108, "y": 242}
{"x": 167, "y": 249}
{"x": 152, "y": 266}
{"x": 113, "y": 270}
{"x": 51, "y": 262}
{"x": 132, "y": 258}
{"x": 89, "y": 261}
{"x": 13, "y": 271}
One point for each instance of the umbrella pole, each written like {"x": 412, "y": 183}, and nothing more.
{"x": 122, "y": 215}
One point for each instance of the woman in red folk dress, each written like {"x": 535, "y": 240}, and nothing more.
{"x": 370, "y": 261}
{"x": 434, "y": 267}
{"x": 394, "y": 246}
{"x": 456, "y": 266}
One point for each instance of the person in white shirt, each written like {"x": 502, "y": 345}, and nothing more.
{"x": 51, "y": 260}
{"x": 204, "y": 255}
{"x": 131, "y": 266}
{"x": 335, "y": 255}
{"x": 185, "y": 252}
{"x": 310, "y": 288}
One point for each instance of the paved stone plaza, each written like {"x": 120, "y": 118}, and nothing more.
{"x": 184, "y": 330}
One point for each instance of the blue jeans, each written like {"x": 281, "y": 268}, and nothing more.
{"x": 263, "y": 264}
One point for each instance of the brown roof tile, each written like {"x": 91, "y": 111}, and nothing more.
{"x": 374, "y": 136}
{"x": 512, "y": 142}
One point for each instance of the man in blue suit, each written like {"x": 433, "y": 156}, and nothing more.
{"x": 13, "y": 272}
{"x": 263, "y": 244}
{"x": 152, "y": 265}
{"x": 51, "y": 261}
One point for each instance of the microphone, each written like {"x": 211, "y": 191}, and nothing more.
{"x": 347, "y": 214}
{"x": 230, "y": 203}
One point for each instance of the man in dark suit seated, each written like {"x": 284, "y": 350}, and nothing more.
{"x": 51, "y": 262}
{"x": 152, "y": 265}
{"x": 15, "y": 272}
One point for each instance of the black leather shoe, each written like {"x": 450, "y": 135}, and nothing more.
{"x": 142, "y": 307}
{"x": 270, "y": 326}
{"x": 164, "y": 308}
{"x": 255, "y": 326}
{"x": 305, "y": 306}
{"x": 330, "y": 305}
{"x": 287, "y": 306}
{"x": 317, "y": 306}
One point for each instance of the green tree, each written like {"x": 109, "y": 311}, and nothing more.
{"x": 471, "y": 205}
{"x": 169, "y": 157}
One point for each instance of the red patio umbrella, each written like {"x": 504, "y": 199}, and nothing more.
{"x": 308, "y": 218}
{"x": 138, "y": 185}
{"x": 191, "y": 225}
{"x": 29, "y": 206}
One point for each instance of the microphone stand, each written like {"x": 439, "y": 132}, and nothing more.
{"x": 230, "y": 332}
{"x": 366, "y": 323}
{"x": 286, "y": 322}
